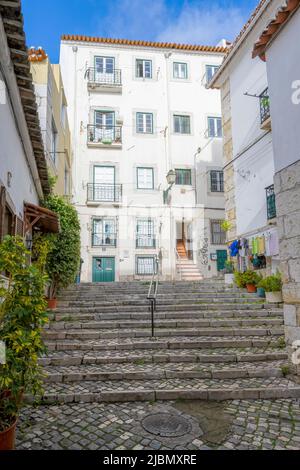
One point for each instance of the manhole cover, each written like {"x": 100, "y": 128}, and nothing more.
{"x": 166, "y": 425}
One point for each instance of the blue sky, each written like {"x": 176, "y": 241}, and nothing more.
{"x": 185, "y": 21}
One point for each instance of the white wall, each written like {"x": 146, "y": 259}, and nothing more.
{"x": 283, "y": 67}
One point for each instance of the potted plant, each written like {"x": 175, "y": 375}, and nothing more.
{"x": 22, "y": 317}
{"x": 239, "y": 280}
{"x": 273, "y": 288}
{"x": 228, "y": 272}
{"x": 64, "y": 258}
{"x": 251, "y": 279}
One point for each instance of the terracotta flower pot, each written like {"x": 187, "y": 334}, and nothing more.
{"x": 8, "y": 438}
{"x": 251, "y": 288}
{"x": 52, "y": 303}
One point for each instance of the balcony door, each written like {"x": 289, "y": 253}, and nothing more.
{"x": 104, "y": 126}
{"x": 104, "y": 69}
{"x": 104, "y": 183}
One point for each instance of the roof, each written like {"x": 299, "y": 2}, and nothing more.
{"x": 158, "y": 45}
{"x": 282, "y": 17}
{"x": 37, "y": 55}
{"x": 240, "y": 37}
{"x": 13, "y": 24}
{"x": 41, "y": 218}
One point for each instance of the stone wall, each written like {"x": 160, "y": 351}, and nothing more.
{"x": 287, "y": 188}
{"x": 228, "y": 156}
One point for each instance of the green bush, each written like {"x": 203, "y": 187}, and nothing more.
{"x": 229, "y": 267}
{"x": 64, "y": 259}
{"x": 246, "y": 278}
{"x": 22, "y": 317}
{"x": 271, "y": 283}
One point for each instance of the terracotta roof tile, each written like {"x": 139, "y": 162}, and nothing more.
{"x": 283, "y": 15}
{"x": 140, "y": 43}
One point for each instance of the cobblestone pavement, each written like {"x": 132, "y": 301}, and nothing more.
{"x": 238, "y": 424}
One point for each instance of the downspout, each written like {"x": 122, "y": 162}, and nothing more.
{"x": 75, "y": 182}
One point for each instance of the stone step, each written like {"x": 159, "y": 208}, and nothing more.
{"x": 170, "y": 389}
{"x": 166, "y": 323}
{"x": 224, "y": 355}
{"x": 171, "y": 315}
{"x": 176, "y": 342}
{"x": 103, "y": 372}
{"x": 52, "y": 334}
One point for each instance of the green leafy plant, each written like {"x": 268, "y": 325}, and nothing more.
{"x": 64, "y": 259}
{"x": 226, "y": 225}
{"x": 229, "y": 267}
{"x": 247, "y": 278}
{"x": 285, "y": 369}
{"x": 238, "y": 279}
{"x": 271, "y": 283}
{"x": 22, "y": 317}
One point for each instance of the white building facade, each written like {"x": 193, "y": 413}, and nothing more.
{"x": 248, "y": 151}
{"x": 138, "y": 110}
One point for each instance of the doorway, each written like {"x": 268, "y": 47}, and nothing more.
{"x": 103, "y": 269}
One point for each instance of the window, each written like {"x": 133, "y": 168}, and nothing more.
{"x": 145, "y": 178}
{"x": 271, "y": 202}
{"x": 104, "y": 232}
{"x": 210, "y": 71}
{"x": 54, "y": 136}
{"x": 214, "y": 127}
{"x": 104, "y": 65}
{"x": 182, "y": 124}
{"x": 145, "y": 237}
{"x": 144, "y": 123}
{"x": 217, "y": 181}
{"x": 146, "y": 265}
{"x": 104, "y": 188}
{"x": 183, "y": 177}
{"x": 104, "y": 129}
{"x": 179, "y": 70}
{"x": 143, "y": 68}
{"x": 218, "y": 236}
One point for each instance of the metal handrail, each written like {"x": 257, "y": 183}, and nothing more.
{"x": 178, "y": 257}
{"x": 104, "y": 77}
{"x": 152, "y": 297}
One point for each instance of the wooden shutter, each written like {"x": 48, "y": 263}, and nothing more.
{"x": 19, "y": 226}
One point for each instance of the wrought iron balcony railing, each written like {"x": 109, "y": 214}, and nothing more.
{"x": 105, "y": 135}
{"x": 104, "y": 192}
{"x": 104, "y": 239}
{"x": 145, "y": 241}
{"x": 106, "y": 77}
{"x": 271, "y": 202}
{"x": 264, "y": 101}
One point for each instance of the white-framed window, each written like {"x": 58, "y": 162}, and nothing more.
{"x": 145, "y": 178}
{"x": 104, "y": 232}
{"x": 144, "y": 123}
{"x": 218, "y": 236}
{"x": 180, "y": 70}
{"x": 143, "y": 68}
{"x": 145, "y": 237}
{"x": 104, "y": 65}
{"x": 217, "y": 181}
{"x": 214, "y": 126}
{"x": 182, "y": 124}
{"x": 210, "y": 71}
{"x": 146, "y": 265}
{"x": 183, "y": 176}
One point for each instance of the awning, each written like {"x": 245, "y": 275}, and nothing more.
{"x": 40, "y": 218}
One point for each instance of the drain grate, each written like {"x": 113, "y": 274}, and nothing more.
{"x": 166, "y": 425}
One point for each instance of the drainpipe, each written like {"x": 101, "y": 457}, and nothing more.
{"x": 75, "y": 182}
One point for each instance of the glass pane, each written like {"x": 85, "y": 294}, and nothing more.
{"x": 139, "y": 68}
{"x": 148, "y": 67}
{"x": 99, "y": 64}
{"x": 219, "y": 127}
{"x": 148, "y": 123}
{"x": 110, "y": 62}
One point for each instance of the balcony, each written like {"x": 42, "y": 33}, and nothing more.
{"x": 106, "y": 81}
{"x": 104, "y": 239}
{"x": 103, "y": 193}
{"x": 145, "y": 241}
{"x": 271, "y": 203}
{"x": 265, "y": 116}
{"x": 104, "y": 136}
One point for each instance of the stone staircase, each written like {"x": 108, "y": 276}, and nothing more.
{"x": 186, "y": 269}
{"x": 211, "y": 342}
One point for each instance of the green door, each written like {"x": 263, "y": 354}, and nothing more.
{"x": 103, "y": 269}
{"x": 221, "y": 259}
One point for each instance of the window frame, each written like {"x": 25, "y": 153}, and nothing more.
{"x": 221, "y": 241}
{"x": 114, "y": 233}
{"x": 137, "y": 258}
{"x": 137, "y": 177}
{"x": 219, "y": 181}
{"x": 143, "y": 77}
{"x": 179, "y": 68}
{"x": 144, "y": 114}
{"x": 206, "y": 71}
{"x": 150, "y": 234}
{"x": 216, "y": 119}
{"x": 185, "y": 170}
{"x": 186, "y": 116}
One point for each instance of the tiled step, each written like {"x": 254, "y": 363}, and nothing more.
{"x": 148, "y": 356}
{"x": 102, "y": 372}
{"x": 171, "y": 389}
{"x": 176, "y": 342}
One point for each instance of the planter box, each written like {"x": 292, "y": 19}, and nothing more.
{"x": 8, "y": 437}
{"x": 274, "y": 297}
{"x": 229, "y": 278}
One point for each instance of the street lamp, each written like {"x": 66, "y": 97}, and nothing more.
{"x": 171, "y": 178}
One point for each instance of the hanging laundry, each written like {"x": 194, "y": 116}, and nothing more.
{"x": 274, "y": 243}
{"x": 234, "y": 248}
{"x": 254, "y": 246}
{"x": 261, "y": 245}
{"x": 267, "y": 241}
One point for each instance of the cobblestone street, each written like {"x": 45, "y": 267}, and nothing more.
{"x": 238, "y": 424}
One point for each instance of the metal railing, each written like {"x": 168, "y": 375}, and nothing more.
{"x": 104, "y": 77}
{"x": 152, "y": 293}
{"x": 104, "y": 239}
{"x": 104, "y": 134}
{"x": 104, "y": 192}
{"x": 179, "y": 264}
{"x": 264, "y": 103}
{"x": 271, "y": 202}
{"x": 145, "y": 241}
